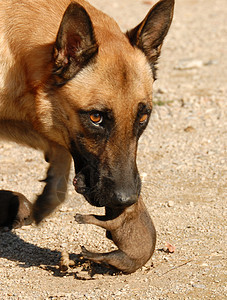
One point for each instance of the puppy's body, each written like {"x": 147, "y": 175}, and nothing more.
{"x": 73, "y": 85}
{"x": 132, "y": 230}
{"x": 15, "y": 210}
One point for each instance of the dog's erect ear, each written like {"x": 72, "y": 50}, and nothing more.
{"x": 150, "y": 33}
{"x": 75, "y": 44}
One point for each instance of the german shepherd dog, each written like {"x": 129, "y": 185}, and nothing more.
{"x": 73, "y": 85}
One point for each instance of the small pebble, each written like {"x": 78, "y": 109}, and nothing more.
{"x": 189, "y": 129}
{"x": 198, "y": 286}
{"x": 170, "y": 203}
{"x": 204, "y": 265}
{"x": 187, "y": 64}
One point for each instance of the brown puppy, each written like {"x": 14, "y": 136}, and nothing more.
{"x": 131, "y": 229}
{"x": 72, "y": 84}
{"x": 15, "y": 210}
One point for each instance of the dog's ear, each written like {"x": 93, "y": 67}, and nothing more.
{"x": 150, "y": 33}
{"x": 75, "y": 44}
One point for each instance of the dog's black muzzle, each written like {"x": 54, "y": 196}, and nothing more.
{"x": 101, "y": 188}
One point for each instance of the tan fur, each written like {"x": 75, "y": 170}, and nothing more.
{"x": 132, "y": 231}
{"x": 36, "y": 112}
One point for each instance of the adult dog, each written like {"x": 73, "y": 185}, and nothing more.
{"x": 73, "y": 85}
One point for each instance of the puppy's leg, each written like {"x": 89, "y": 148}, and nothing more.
{"x": 117, "y": 259}
{"x": 56, "y": 183}
{"x": 101, "y": 221}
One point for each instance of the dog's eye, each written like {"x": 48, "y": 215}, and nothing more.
{"x": 96, "y": 118}
{"x": 143, "y": 119}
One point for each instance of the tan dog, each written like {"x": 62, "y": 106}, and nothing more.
{"x": 72, "y": 84}
{"x": 131, "y": 229}
{"x": 15, "y": 210}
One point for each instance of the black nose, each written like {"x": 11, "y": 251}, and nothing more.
{"x": 125, "y": 199}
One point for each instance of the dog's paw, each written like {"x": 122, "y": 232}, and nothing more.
{"x": 80, "y": 219}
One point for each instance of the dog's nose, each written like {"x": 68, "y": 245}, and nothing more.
{"x": 125, "y": 199}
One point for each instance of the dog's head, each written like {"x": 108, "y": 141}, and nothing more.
{"x": 102, "y": 97}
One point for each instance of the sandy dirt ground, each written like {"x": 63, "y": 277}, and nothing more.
{"x": 183, "y": 164}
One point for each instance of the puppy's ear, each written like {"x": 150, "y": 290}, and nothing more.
{"x": 150, "y": 33}
{"x": 75, "y": 44}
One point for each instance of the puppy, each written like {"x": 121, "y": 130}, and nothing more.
{"x": 131, "y": 229}
{"x": 15, "y": 210}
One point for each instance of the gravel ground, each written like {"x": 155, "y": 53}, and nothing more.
{"x": 182, "y": 160}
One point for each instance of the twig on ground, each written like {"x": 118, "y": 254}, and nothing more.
{"x": 185, "y": 263}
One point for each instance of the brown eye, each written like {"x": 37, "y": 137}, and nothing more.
{"x": 96, "y": 118}
{"x": 143, "y": 118}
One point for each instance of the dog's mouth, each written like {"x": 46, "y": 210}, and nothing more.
{"x": 101, "y": 191}
{"x": 86, "y": 183}
{"x": 86, "y": 174}
{"x": 103, "y": 185}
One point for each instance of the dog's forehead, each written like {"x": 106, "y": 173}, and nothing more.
{"x": 124, "y": 70}
{"x": 118, "y": 78}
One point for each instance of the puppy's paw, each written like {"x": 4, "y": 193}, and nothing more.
{"x": 80, "y": 219}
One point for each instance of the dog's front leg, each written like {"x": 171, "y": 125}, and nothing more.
{"x": 56, "y": 183}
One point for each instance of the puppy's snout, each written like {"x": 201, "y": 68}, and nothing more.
{"x": 125, "y": 199}
{"x": 79, "y": 184}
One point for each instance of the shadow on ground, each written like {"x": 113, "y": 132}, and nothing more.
{"x": 13, "y": 248}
